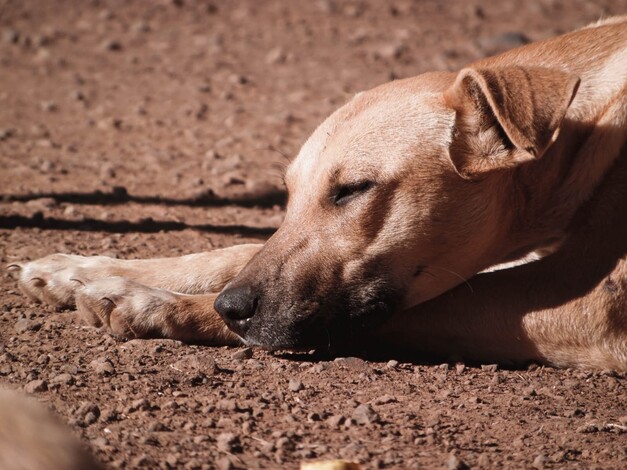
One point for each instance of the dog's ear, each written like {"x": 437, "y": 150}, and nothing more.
{"x": 507, "y": 115}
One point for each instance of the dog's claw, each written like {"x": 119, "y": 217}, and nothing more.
{"x": 14, "y": 268}
{"x": 123, "y": 307}
{"x": 78, "y": 281}
{"x": 47, "y": 280}
{"x": 37, "y": 282}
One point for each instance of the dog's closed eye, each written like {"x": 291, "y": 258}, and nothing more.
{"x": 347, "y": 192}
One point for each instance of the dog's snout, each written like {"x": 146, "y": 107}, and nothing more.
{"x": 236, "y": 305}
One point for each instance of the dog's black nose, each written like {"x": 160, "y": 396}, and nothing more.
{"x": 235, "y": 305}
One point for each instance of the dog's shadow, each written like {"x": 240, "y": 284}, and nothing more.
{"x": 119, "y": 196}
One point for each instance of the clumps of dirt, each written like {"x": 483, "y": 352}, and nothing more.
{"x": 161, "y": 403}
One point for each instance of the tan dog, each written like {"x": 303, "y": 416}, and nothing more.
{"x": 406, "y": 192}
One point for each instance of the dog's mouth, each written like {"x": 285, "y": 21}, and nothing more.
{"x": 331, "y": 327}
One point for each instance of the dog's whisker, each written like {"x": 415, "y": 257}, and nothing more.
{"x": 425, "y": 271}
{"x": 284, "y": 155}
{"x": 278, "y": 166}
{"x": 464, "y": 280}
{"x": 326, "y": 330}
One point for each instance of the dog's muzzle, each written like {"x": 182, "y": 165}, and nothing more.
{"x": 237, "y": 306}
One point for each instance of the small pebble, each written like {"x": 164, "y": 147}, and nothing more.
{"x": 588, "y": 428}
{"x": 276, "y": 56}
{"x": 354, "y": 363}
{"x": 66, "y": 379}
{"x": 335, "y": 421}
{"x": 242, "y": 354}
{"x": 111, "y": 45}
{"x": 364, "y": 414}
{"x": 384, "y": 399}
{"x": 49, "y": 106}
{"x": 10, "y": 36}
{"x": 140, "y": 404}
{"x": 225, "y": 463}
{"x": 228, "y": 442}
{"x": 36, "y": 386}
{"x": 157, "y": 426}
{"x": 539, "y": 462}
{"x": 102, "y": 366}
{"x": 295, "y": 385}
{"x": 455, "y": 463}
{"x": 483, "y": 461}
{"x": 23, "y": 325}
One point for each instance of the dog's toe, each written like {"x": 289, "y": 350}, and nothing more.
{"x": 48, "y": 279}
{"x": 14, "y": 268}
{"x": 94, "y": 310}
{"x": 124, "y": 307}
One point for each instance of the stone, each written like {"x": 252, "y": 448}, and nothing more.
{"x": 229, "y": 442}
{"x": 335, "y": 421}
{"x": 353, "y": 363}
{"x": 111, "y": 45}
{"x": 364, "y": 414}
{"x": 140, "y": 404}
{"x": 225, "y": 463}
{"x": 65, "y": 379}
{"x": 23, "y": 325}
{"x": 295, "y": 385}
{"x": 242, "y": 354}
{"x": 276, "y": 56}
{"x": 102, "y": 366}
{"x": 384, "y": 399}
{"x": 36, "y": 386}
{"x": 455, "y": 463}
{"x": 539, "y": 462}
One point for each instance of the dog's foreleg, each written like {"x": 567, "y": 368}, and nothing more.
{"x": 132, "y": 310}
{"x": 55, "y": 279}
{"x": 523, "y": 314}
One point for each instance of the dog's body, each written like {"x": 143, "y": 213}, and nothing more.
{"x": 402, "y": 195}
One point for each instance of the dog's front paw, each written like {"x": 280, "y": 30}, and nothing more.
{"x": 50, "y": 279}
{"x": 126, "y": 308}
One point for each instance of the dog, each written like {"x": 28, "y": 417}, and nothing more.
{"x": 32, "y": 438}
{"x": 478, "y": 215}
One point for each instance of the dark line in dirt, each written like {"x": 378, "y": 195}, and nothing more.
{"x": 119, "y": 195}
{"x": 123, "y": 226}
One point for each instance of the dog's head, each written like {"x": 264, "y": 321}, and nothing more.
{"x": 397, "y": 197}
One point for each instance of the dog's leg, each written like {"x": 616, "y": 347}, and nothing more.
{"x": 522, "y": 314}
{"x": 132, "y": 310}
{"x": 55, "y": 279}
{"x": 140, "y": 298}
{"x": 568, "y": 309}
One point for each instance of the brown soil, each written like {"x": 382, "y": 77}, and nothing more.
{"x": 147, "y": 128}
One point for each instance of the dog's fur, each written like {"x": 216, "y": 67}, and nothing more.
{"x": 32, "y": 438}
{"x": 396, "y": 201}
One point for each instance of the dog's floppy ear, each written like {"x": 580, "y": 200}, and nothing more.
{"x": 506, "y": 115}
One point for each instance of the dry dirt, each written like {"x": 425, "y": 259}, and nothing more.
{"x": 147, "y": 128}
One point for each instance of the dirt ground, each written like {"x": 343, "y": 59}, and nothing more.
{"x": 156, "y": 128}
